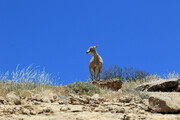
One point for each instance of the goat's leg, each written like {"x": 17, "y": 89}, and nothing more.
{"x": 94, "y": 71}
{"x": 91, "y": 71}
{"x": 91, "y": 76}
{"x": 98, "y": 75}
{"x": 94, "y": 76}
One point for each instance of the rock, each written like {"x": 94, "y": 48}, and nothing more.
{"x": 115, "y": 108}
{"x": 130, "y": 104}
{"x": 50, "y": 95}
{"x": 142, "y": 106}
{"x": 127, "y": 117}
{"x": 95, "y": 96}
{"x": 76, "y": 108}
{"x": 12, "y": 98}
{"x": 119, "y": 110}
{"x": 159, "y": 85}
{"x": 2, "y": 100}
{"x": 36, "y": 110}
{"x": 36, "y": 103}
{"x": 37, "y": 97}
{"x": 1, "y": 112}
{"x": 125, "y": 99}
{"x": 97, "y": 99}
{"x": 177, "y": 89}
{"x": 94, "y": 105}
{"x": 48, "y": 110}
{"x": 101, "y": 109}
{"x": 32, "y": 112}
{"x": 25, "y": 111}
{"x": 61, "y": 102}
{"x": 27, "y": 106}
{"x": 76, "y": 100}
{"x": 164, "y": 104}
{"x": 65, "y": 108}
{"x": 114, "y": 84}
{"x": 45, "y": 99}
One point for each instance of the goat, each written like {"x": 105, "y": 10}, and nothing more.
{"x": 95, "y": 63}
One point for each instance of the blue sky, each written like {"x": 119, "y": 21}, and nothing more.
{"x": 55, "y": 34}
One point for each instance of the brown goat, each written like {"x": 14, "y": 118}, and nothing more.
{"x": 95, "y": 64}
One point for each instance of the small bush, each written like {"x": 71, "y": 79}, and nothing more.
{"x": 112, "y": 72}
{"x": 84, "y": 88}
{"x": 126, "y": 73}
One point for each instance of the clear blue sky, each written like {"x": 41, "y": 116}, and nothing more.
{"x": 55, "y": 34}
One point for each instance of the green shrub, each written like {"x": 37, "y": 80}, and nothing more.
{"x": 84, "y": 88}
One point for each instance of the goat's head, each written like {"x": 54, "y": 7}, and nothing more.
{"x": 91, "y": 50}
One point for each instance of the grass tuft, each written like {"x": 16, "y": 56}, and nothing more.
{"x": 28, "y": 78}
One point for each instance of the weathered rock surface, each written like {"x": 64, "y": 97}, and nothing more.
{"x": 159, "y": 85}
{"x": 114, "y": 84}
{"x": 125, "y": 107}
{"x": 47, "y": 97}
{"x": 177, "y": 89}
{"x": 165, "y": 102}
{"x": 50, "y": 95}
{"x": 12, "y": 99}
{"x": 2, "y": 100}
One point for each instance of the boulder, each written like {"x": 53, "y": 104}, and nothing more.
{"x": 164, "y": 103}
{"x": 46, "y": 96}
{"x": 159, "y": 85}
{"x": 177, "y": 89}
{"x": 114, "y": 84}
{"x": 12, "y": 98}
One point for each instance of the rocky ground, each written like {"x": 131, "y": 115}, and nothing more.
{"x": 49, "y": 106}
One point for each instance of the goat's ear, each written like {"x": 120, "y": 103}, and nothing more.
{"x": 97, "y": 46}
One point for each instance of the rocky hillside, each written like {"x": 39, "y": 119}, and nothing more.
{"x": 158, "y": 100}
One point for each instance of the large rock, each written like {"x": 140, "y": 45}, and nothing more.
{"x": 177, "y": 89}
{"x": 165, "y": 102}
{"x": 46, "y": 96}
{"x": 159, "y": 85}
{"x": 114, "y": 84}
{"x": 12, "y": 98}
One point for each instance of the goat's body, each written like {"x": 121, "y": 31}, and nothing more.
{"x": 95, "y": 66}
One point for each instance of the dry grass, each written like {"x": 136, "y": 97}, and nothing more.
{"x": 128, "y": 87}
{"x": 24, "y": 81}
{"x": 27, "y": 81}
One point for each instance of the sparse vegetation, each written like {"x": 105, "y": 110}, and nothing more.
{"x": 33, "y": 80}
{"x": 21, "y": 80}
{"x": 84, "y": 88}
{"x": 127, "y": 73}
